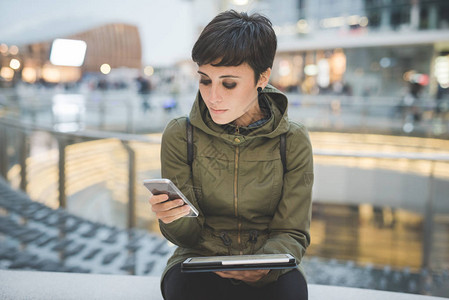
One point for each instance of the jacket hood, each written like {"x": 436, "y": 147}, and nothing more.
{"x": 276, "y": 125}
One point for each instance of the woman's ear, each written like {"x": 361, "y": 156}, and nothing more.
{"x": 264, "y": 78}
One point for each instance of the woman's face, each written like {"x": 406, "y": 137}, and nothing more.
{"x": 230, "y": 93}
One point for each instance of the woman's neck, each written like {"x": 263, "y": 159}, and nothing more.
{"x": 250, "y": 117}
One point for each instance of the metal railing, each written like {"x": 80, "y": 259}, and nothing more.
{"x": 433, "y": 159}
{"x": 23, "y": 131}
{"x": 126, "y": 111}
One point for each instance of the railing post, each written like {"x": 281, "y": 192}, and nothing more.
{"x": 61, "y": 168}
{"x": 129, "y": 118}
{"x": 4, "y": 161}
{"x": 428, "y": 220}
{"x": 23, "y": 154}
{"x": 131, "y": 185}
{"x": 102, "y": 114}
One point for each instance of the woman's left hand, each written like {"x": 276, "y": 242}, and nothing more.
{"x": 247, "y": 276}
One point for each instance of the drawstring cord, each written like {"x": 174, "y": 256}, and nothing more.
{"x": 226, "y": 241}
{"x": 253, "y": 234}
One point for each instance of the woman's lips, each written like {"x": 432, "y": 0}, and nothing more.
{"x": 217, "y": 111}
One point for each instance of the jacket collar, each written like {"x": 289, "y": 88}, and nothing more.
{"x": 275, "y": 126}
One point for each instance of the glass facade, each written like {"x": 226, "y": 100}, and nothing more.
{"x": 422, "y": 14}
{"x": 373, "y": 71}
{"x": 381, "y": 41}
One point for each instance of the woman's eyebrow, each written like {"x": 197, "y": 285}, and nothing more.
{"x": 199, "y": 72}
{"x": 229, "y": 76}
{"x": 222, "y": 76}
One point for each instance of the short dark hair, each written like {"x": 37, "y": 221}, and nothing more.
{"x": 235, "y": 38}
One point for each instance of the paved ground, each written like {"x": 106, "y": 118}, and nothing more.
{"x": 37, "y": 285}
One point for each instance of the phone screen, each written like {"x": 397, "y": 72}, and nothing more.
{"x": 158, "y": 189}
{"x": 166, "y": 186}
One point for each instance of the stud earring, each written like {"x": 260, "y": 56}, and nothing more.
{"x": 259, "y": 89}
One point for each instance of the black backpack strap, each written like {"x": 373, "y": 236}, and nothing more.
{"x": 283, "y": 149}
{"x": 189, "y": 133}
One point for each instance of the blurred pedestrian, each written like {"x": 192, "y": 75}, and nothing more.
{"x": 410, "y": 107}
{"x": 144, "y": 90}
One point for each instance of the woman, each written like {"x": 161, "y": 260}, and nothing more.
{"x": 249, "y": 202}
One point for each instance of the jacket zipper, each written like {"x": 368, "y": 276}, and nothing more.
{"x": 239, "y": 225}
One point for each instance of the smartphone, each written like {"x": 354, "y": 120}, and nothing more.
{"x": 166, "y": 186}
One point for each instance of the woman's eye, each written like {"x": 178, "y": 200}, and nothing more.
{"x": 205, "y": 82}
{"x": 229, "y": 85}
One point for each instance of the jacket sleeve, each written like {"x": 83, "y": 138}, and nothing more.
{"x": 186, "y": 231}
{"x": 290, "y": 225}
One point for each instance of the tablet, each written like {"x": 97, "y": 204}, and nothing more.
{"x": 166, "y": 186}
{"x": 238, "y": 262}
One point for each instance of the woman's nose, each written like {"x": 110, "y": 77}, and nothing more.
{"x": 214, "y": 95}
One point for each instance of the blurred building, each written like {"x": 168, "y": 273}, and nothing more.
{"x": 352, "y": 47}
{"x": 358, "y": 47}
{"x": 101, "y": 49}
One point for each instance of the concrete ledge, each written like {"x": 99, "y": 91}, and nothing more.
{"x": 32, "y": 285}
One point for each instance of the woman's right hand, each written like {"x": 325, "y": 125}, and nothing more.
{"x": 168, "y": 211}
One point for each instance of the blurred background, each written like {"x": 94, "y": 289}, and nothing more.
{"x": 87, "y": 87}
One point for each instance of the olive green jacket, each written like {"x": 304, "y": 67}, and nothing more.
{"x": 247, "y": 204}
